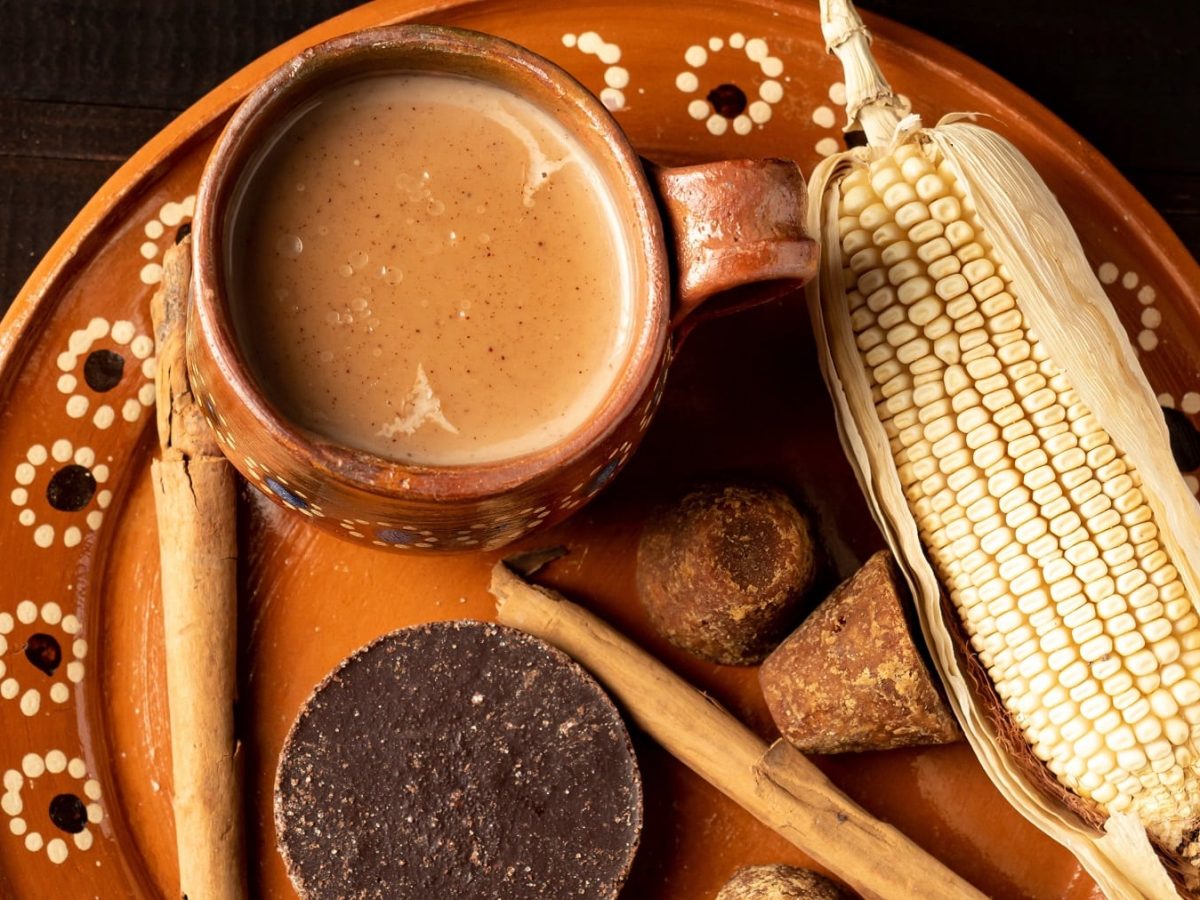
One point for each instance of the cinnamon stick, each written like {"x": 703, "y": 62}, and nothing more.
{"x": 777, "y": 785}
{"x": 197, "y": 526}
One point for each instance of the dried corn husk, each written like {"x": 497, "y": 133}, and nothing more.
{"x": 1064, "y": 303}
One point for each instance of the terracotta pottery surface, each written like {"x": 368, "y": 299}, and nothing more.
{"x": 82, "y": 700}
{"x": 723, "y": 225}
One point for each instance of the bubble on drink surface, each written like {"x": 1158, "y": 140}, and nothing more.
{"x": 358, "y": 304}
{"x": 359, "y": 259}
{"x": 290, "y": 245}
{"x": 484, "y": 238}
{"x": 300, "y": 186}
{"x": 326, "y": 356}
{"x": 332, "y": 317}
{"x": 391, "y": 274}
{"x": 435, "y": 207}
{"x": 345, "y": 270}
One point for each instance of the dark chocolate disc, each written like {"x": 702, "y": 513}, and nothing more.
{"x": 458, "y": 759}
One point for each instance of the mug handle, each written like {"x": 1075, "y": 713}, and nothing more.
{"x": 733, "y": 226}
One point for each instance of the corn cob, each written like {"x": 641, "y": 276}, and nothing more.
{"x": 1057, "y": 552}
{"x": 1035, "y": 522}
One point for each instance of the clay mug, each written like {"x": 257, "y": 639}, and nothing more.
{"x": 699, "y": 231}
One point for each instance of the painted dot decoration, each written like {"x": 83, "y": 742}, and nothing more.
{"x": 65, "y": 817}
{"x": 44, "y": 641}
{"x": 281, "y": 490}
{"x": 823, "y": 117}
{"x": 68, "y": 813}
{"x": 727, "y": 100}
{"x": 73, "y": 487}
{"x": 652, "y": 403}
{"x": 1147, "y": 338}
{"x": 1185, "y": 438}
{"x": 44, "y": 652}
{"x": 103, "y": 369}
{"x": 170, "y": 216}
{"x": 728, "y": 106}
{"x": 826, "y": 146}
{"x": 397, "y": 537}
{"x": 604, "y": 476}
{"x": 616, "y": 78}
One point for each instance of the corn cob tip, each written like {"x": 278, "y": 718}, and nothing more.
{"x": 870, "y": 101}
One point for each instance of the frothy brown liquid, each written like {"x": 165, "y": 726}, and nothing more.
{"x": 432, "y": 269}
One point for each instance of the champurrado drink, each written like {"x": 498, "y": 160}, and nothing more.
{"x": 432, "y": 269}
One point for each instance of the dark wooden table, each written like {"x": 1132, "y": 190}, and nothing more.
{"x": 84, "y": 84}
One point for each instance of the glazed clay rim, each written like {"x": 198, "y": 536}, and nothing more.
{"x": 383, "y": 48}
{"x": 96, "y": 254}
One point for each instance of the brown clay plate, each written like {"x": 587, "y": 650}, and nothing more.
{"x": 82, "y": 701}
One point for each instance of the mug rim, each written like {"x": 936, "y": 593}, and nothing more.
{"x": 381, "y": 49}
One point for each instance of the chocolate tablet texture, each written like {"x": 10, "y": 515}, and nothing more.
{"x": 458, "y": 759}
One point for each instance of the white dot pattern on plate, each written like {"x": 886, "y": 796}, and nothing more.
{"x": 73, "y": 486}
{"x": 39, "y": 827}
{"x": 49, "y": 639}
{"x": 89, "y": 375}
{"x": 616, "y": 78}
{"x": 170, "y": 216}
{"x": 740, "y": 117}
{"x": 160, "y": 230}
{"x": 1147, "y": 337}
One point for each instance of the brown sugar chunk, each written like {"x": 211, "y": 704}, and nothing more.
{"x": 458, "y": 759}
{"x": 851, "y": 676}
{"x": 722, "y": 572}
{"x": 779, "y": 883}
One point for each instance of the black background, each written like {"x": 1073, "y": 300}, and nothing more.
{"x": 84, "y": 84}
